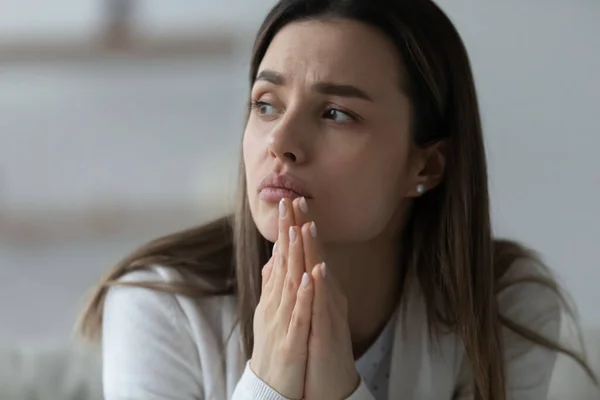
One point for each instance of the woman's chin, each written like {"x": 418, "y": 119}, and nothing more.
{"x": 267, "y": 223}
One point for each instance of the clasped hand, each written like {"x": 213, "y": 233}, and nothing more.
{"x": 302, "y": 345}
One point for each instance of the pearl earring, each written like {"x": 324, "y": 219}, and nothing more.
{"x": 420, "y": 188}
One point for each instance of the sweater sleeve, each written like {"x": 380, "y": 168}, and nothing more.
{"x": 529, "y": 366}
{"x": 147, "y": 352}
{"x": 251, "y": 387}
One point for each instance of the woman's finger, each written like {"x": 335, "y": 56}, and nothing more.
{"x": 286, "y": 220}
{"x": 295, "y": 269}
{"x": 336, "y": 294}
{"x": 304, "y": 218}
{"x": 312, "y": 252}
{"x": 295, "y": 265}
{"x": 301, "y": 211}
{"x": 266, "y": 273}
{"x": 320, "y": 308}
{"x": 329, "y": 306}
{"x": 301, "y": 319}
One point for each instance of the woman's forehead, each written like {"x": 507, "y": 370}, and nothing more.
{"x": 340, "y": 51}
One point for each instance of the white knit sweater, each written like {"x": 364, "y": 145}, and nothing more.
{"x": 159, "y": 346}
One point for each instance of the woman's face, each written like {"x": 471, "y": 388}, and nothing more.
{"x": 329, "y": 122}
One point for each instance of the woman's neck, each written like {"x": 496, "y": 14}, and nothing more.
{"x": 369, "y": 276}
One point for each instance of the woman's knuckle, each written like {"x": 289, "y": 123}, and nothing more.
{"x": 272, "y": 327}
{"x": 318, "y": 343}
{"x": 300, "y": 319}
{"x": 281, "y": 261}
{"x": 290, "y": 284}
{"x": 301, "y": 297}
{"x": 265, "y": 273}
{"x": 269, "y": 308}
{"x": 268, "y": 285}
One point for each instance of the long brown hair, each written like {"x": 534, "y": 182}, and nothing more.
{"x": 451, "y": 252}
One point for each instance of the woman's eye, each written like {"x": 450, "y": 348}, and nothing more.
{"x": 338, "y": 116}
{"x": 264, "y": 108}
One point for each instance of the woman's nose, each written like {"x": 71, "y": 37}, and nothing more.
{"x": 286, "y": 146}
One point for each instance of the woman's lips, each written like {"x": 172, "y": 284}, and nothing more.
{"x": 275, "y": 194}
{"x": 275, "y": 187}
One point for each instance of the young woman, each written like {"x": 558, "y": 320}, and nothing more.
{"x": 363, "y": 160}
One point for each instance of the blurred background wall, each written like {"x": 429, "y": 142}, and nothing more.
{"x": 109, "y": 139}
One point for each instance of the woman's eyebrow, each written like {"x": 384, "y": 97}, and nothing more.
{"x": 330, "y": 88}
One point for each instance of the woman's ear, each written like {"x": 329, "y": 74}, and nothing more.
{"x": 429, "y": 169}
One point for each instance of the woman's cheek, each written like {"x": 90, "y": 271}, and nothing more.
{"x": 251, "y": 149}
{"x": 359, "y": 201}
{"x": 345, "y": 213}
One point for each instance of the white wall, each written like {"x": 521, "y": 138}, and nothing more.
{"x": 537, "y": 65}
{"x": 92, "y": 131}
{"x": 78, "y": 134}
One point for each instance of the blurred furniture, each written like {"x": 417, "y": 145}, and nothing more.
{"x": 74, "y": 373}
{"x": 119, "y": 36}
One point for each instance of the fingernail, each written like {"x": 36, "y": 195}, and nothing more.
{"x": 274, "y": 247}
{"x": 313, "y": 229}
{"x": 323, "y": 270}
{"x": 292, "y": 234}
{"x": 282, "y": 208}
{"x": 303, "y": 205}
{"x": 305, "y": 280}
